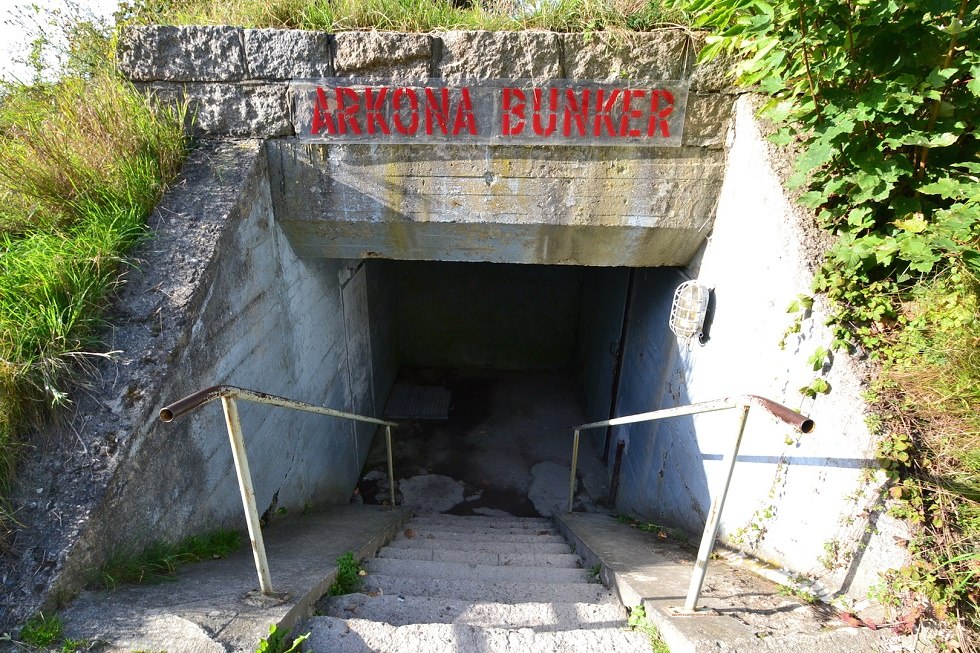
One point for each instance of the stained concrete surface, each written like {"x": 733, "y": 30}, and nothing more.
{"x": 505, "y": 449}
{"x": 208, "y": 607}
{"x": 739, "y": 611}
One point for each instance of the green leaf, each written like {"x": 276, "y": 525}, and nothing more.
{"x": 817, "y": 359}
{"x": 969, "y": 166}
{"x": 921, "y": 139}
{"x": 781, "y": 137}
{"x": 915, "y": 224}
{"x": 778, "y": 111}
{"x": 972, "y": 260}
{"x": 974, "y": 86}
{"x": 918, "y": 252}
{"x": 952, "y": 189}
{"x": 819, "y": 153}
{"x": 886, "y": 251}
{"x": 938, "y": 78}
{"x": 860, "y": 217}
{"x": 801, "y": 303}
{"x": 812, "y": 199}
{"x": 850, "y": 252}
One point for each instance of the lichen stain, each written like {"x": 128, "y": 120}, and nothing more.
{"x": 398, "y": 240}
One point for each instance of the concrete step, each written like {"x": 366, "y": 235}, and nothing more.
{"x": 428, "y": 569}
{"x": 489, "y": 590}
{"x": 566, "y": 560}
{"x": 401, "y": 611}
{"x": 330, "y": 635}
{"x": 523, "y": 523}
{"x": 479, "y": 547}
{"x": 482, "y": 536}
{"x": 542, "y": 529}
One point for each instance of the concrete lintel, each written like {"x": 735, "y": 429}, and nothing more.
{"x": 493, "y": 242}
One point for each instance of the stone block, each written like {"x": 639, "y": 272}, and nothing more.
{"x": 614, "y": 56}
{"x": 383, "y": 55}
{"x": 287, "y": 54}
{"x": 715, "y": 75}
{"x": 507, "y": 55}
{"x": 707, "y": 120}
{"x": 182, "y": 54}
{"x": 237, "y": 110}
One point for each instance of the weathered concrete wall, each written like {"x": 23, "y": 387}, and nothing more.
{"x": 488, "y": 316}
{"x": 562, "y": 205}
{"x": 221, "y": 299}
{"x": 604, "y": 296}
{"x": 804, "y": 502}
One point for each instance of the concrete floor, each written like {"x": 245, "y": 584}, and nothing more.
{"x": 505, "y": 449}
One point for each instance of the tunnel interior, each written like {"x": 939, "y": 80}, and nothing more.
{"x": 524, "y": 353}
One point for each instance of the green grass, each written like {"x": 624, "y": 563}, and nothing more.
{"x": 412, "y": 15}
{"x": 82, "y": 163}
{"x": 638, "y": 620}
{"x": 279, "y": 641}
{"x": 159, "y": 561}
{"x": 348, "y": 578}
{"x": 930, "y": 392}
{"x": 41, "y": 631}
{"x": 45, "y": 633}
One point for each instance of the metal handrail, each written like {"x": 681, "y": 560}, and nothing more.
{"x": 228, "y": 394}
{"x": 745, "y": 402}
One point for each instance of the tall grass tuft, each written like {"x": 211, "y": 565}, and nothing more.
{"x": 932, "y": 393}
{"x": 82, "y": 162}
{"x": 414, "y": 15}
{"x": 159, "y": 561}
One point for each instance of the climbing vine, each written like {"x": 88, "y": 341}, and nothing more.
{"x": 882, "y": 100}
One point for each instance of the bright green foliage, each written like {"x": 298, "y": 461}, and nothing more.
{"x": 159, "y": 561}
{"x": 279, "y": 641}
{"x": 41, "y": 631}
{"x": 348, "y": 577}
{"x": 638, "y": 620}
{"x": 882, "y": 98}
{"x": 75, "y": 645}
{"x": 408, "y": 15}
{"x": 82, "y": 162}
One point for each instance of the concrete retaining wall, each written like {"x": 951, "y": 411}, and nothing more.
{"x": 221, "y": 299}
{"x": 804, "y": 502}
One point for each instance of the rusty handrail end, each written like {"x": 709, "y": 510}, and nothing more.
{"x": 800, "y": 422}
{"x": 172, "y": 411}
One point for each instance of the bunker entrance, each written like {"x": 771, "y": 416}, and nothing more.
{"x": 487, "y": 367}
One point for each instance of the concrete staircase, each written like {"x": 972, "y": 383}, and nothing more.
{"x": 448, "y": 583}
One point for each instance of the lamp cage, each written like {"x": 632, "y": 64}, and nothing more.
{"x": 688, "y": 310}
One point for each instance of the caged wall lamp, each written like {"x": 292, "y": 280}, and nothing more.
{"x": 688, "y": 311}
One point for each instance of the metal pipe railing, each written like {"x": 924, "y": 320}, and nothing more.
{"x": 228, "y": 394}
{"x": 745, "y": 402}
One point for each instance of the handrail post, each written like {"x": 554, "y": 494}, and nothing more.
{"x": 571, "y": 480}
{"x": 391, "y": 467}
{"x": 714, "y": 519}
{"x": 248, "y": 492}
